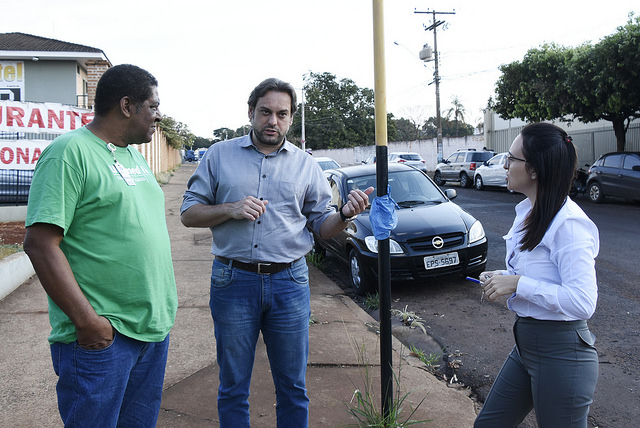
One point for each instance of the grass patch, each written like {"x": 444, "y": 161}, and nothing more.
{"x": 315, "y": 259}
{"x": 428, "y": 359}
{"x": 409, "y": 318}
{"x": 372, "y": 302}
{"x": 367, "y": 408}
{"x": 7, "y": 250}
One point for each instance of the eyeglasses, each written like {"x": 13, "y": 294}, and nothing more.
{"x": 510, "y": 158}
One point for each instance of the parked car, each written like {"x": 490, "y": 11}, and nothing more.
{"x": 370, "y": 160}
{"x": 491, "y": 173}
{"x": 413, "y": 159}
{"x": 434, "y": 236}
{"x": 615, "y": 174}
{"x": 461, "y": 166}
{"x": 15, "y": 185}
{"x": 190, "y": 156}
{"x": 327, "y": 163}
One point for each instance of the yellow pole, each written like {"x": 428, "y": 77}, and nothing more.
{"x": 379, "y": 73}
{"x": 382, "y": 181}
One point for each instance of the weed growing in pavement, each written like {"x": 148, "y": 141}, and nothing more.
{"x": 367, "y": 409}
{"x": 372, "y": 302}
{"x": 409, "y": 318}
{"x": 315, "y": 259}
{"x": 429, "y": 360}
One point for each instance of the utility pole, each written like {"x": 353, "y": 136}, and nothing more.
{"x": 302, "y": 142}
{"x": 436, "y": 75}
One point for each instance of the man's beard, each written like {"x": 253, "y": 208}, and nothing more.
{"x": 275, "y": 140}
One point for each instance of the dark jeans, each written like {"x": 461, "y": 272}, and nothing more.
{"x": 120, "y": 385}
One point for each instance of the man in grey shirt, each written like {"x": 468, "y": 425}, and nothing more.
{"x": 259, "y": 194}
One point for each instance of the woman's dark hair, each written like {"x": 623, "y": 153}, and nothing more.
{"x": 550, "y": 153}
{"x": 273, "y": 84}
{"x": 120, "y": 81}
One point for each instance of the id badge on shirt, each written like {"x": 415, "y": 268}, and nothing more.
{"x": 124, "y": 174}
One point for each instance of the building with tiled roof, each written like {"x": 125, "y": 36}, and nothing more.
{"x": 39, "y": 69}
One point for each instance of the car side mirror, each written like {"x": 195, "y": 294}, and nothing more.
{"x": 451, "y": 193}
{"x": 635, "y": 168}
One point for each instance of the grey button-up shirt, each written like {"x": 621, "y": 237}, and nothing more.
{"x": 292, "y": 182}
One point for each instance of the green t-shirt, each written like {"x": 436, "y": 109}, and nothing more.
{"x": 115, "y": 234}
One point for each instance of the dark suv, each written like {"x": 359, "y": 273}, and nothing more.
{"x": 461, "y": 166}
{"x": 615, "y": 174}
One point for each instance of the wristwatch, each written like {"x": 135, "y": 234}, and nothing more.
{"x": 344, "y": 218}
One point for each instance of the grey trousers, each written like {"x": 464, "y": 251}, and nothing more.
{"x": 553, "y": 368}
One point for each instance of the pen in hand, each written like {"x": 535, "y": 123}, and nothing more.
{"x": 477, "y": 281}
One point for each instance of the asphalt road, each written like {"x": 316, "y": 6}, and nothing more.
{"x": 475, "y": 337}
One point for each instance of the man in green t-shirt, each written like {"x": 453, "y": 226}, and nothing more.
{"x": 98, "y": 240}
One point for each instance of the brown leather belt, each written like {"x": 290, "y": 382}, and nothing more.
{"x": 261, "y": 268}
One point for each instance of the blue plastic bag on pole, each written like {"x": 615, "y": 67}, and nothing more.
{"x": 383, "y": 216}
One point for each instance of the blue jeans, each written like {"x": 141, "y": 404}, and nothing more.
{"x": 118, "y": 386}
{"x": 243, "y": 304}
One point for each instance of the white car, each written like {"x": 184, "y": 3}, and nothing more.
{"x": 327, "y": 163}
{"x": 413, "y": 159}
{"x": 491, "y": 173}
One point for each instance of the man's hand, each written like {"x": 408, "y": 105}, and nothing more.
{"x": 248, "y": 208}
{"x": 358, "y": 202}
{"x": 96, "y": 336}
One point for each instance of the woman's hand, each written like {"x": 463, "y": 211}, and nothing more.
{"x": 495, "y": 284}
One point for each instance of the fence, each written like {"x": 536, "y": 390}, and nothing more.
{"x": 15, "y": 183}
{"x": 591, "y": 143}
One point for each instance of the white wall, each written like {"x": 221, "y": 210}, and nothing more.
{"x": 426, "y": 148}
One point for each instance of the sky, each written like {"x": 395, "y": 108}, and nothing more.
{"x": 208, "y": 56}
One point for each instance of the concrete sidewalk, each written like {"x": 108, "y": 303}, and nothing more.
{"x": 340, "y": 328}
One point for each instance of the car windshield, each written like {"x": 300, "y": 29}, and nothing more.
{"x": 408, "y": 188}
{"x": 329, "y": 164}
{"x": 411, "y": 157}
{"x": 481, "y": 156}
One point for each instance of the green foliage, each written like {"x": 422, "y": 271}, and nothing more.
{"x": 8, "y": 249}
{"x": 222, "y": 134}
{"x": 409, "y": 318}
{"x": 587, "y": 83}
{"x": 315, "y": 259}
{"x": 177, "y": 133}
{"x": 449, "y": 128}
{"x": 429, "y": 360}
{"x": 364, "y": 404}
{"x": 372, "y": 302}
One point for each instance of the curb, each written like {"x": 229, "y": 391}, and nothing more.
{"x": 14, "y": 270}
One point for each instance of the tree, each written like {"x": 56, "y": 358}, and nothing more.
{"x": 177, "y": 133}
{"x": 337, "y": 113}
{"x": 587, "y": 83}
{"x": 449, "y": 128}
{"x": 457, "y": 111}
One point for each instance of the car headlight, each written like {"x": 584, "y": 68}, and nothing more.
{"x": 476, "y": 232}
{"x": 394, "y": 247}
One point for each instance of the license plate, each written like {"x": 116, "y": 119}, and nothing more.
{"x": 441, "y": 260}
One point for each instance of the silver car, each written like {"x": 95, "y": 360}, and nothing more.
{"x": 491, "y": 173}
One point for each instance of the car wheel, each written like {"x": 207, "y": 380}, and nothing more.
{"x": 359, "y": 281}
{"x": 437, "y": 177}
{"x": 465, "y": 181}
{"x": 595, "y": 193}
{"x": 479, "y": 185}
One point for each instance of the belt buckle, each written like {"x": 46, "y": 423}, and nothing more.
{"x": 260, "y": 266}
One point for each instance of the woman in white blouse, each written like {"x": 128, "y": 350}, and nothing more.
{"x": 551, "y": 283}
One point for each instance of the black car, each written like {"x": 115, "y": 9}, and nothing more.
{"x": 615, "y": 174}
{"x": 434, "y": 236}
